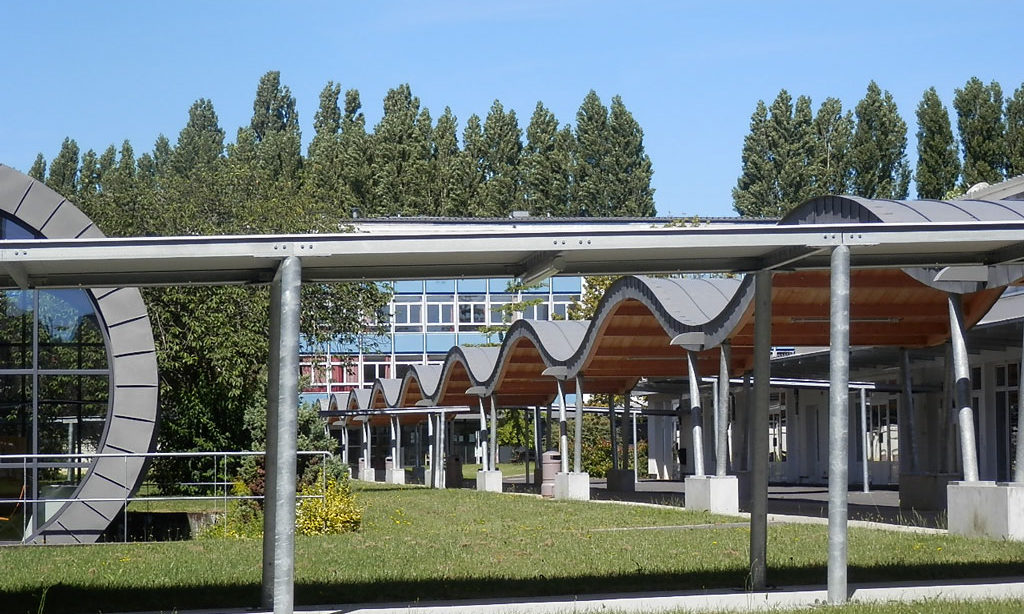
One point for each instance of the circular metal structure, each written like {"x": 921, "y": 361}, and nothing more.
{"x": 93, "y": 487}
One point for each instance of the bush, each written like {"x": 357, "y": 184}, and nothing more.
{"x": 331, "y": 509}
{"x": 243, "y": 520}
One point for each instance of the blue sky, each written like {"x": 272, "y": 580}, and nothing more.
{"x": 691, "y": 73}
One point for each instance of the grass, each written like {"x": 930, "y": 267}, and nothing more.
{"x": 419, "y": 544}
{"x": 1003, "y": 606}
{"x": 507, "y": 469}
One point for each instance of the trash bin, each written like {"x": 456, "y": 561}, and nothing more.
{"x": 453, "y": 472}
{"x": 551, "y": 463}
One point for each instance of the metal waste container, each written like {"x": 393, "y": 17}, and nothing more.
{"x": 550, "y": 464}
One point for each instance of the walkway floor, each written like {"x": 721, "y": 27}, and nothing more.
{"x": 689, "y": 601}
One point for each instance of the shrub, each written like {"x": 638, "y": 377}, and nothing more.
{"x": 331, "y": 507}
{"x": 243, "y": 520}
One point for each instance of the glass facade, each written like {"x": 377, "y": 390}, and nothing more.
{"x": 427, "y": 318}
{"x": 54, "y": 393}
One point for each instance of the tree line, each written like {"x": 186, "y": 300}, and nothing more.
{"x": 793, "y": 153}
{"x": 408, "y": 165}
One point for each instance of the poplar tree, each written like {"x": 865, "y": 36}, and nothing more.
{"x": 502, "y": 149}
{"x": 38, "y": 169}
{"x": 629, "y": 167}
{"x": 400, "y": 155}
{"x": 833, "y": 131}
{"x": 63, "y": 177}
{"x": 324, "y": 179}
{"x": 590, "y": 189}
{"x": 938, "y": 162}
{"x": 471, "y": 163}
{"x": 547, "y": 165}
{"x": 756, "y": 193}
{"x": 1015, "y": 133}
{"x": 355, "y": 151}
{"x": 794, "y": 150}
{"x": 88, "y": 175}
{"x": 200, "y": 143}
{"x": 878, "y": 156}
{"x": 447, "y": 190}
{"x": 979, "y": 109}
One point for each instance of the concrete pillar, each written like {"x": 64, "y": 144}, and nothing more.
{"x": 278, "y": 586}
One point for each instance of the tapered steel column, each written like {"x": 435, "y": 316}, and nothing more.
{"x": 442, "y": 449}
{"x": 614, "y": 438}
{"x": 696, "y": 419}
{"x": 865, "y": 436}
{"x": 484, "y": 456}
{"x": 563, "y": 431}
{"x": 908, "y": 421}
{"x": 722, "y": 425}
{"x": 577, "y": 448}
{"x": 344, "y": 444}
{"x": 397, "y": 460}
{"x": 758, "y": 421}
{"x": 431, "y": 447}
{"x": 278, "y": 588}
{"x": 636, "y": 455}
{"x": 838, "y": 423}
{"x": 393, "y": 428}
{"x": 1018, "y": 469}
{"x": 623, "y": 440}
{"x": 962, "y": 388}
{"x": 492, "y": 434}
{"x": 536, "y": 441}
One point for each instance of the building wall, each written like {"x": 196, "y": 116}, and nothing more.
{"x": 426, "y": 319}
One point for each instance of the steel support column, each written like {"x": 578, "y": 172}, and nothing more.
{"x": 577, "y": 448}
{"x": 865, "y": 437}
{"x": 536, "y": 442}
{"x": 908, "y": 420}
{"x": 696, "y": 417}
{"x": 962, "y": 388}
{"x": 485, "y": 457}
{"x": 758, "y": 433}
{"x": 431, "y": 447}
{"x": 492, "y": 434}
{"x": 563, "y": 431}
{"x": 838, "y": 423}
{"x": 722, "y": 424}
{"x": 1018, "y": 468}
{"x": 614, "y": 437}
{"x": 278, "y": 588}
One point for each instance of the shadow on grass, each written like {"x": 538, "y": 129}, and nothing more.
{"x": 64, "y": 599}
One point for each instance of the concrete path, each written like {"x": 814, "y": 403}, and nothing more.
{"x": 717, "y": 600}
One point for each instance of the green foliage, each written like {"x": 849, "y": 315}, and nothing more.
{"x": 979, "y": 110}
{"x": 878, "y": 152}
{"x": 938, "y": 164}
{"x": 38, "y": 169}
{"x": 629, "y": 169}
{"x": 1015, "y": 133}
{"x": 547, "y": 165}
{"x": 330, "y": 507}
{"x": 242, "y": 520}
{"x": 63, "y": 177}
{"x": 502, "y": 150}
{"x": 400, "y": 156}
{"x": 594, "y": 288}
{"x": 833, "y": 133}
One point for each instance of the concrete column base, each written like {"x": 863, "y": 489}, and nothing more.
{"x": 428, "y": 478}
{"x": 394, "y": 476}
{"x": 712, "y": 493}
{"x": 572, "y": 486}
{"x": 924, "y": 491}
{"x": 621, "y": 480}
{"x": 986, "y": 509}
{"x": 368, "y": 475}
{"x": 488, "y": 481}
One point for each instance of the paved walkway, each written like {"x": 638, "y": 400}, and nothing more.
{"x": 718, "y": 600}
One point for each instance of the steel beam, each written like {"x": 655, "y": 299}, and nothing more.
{"x": 838, "y": 423}
{"x": 282, "y": 417}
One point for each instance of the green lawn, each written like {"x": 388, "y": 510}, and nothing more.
{"x": 507, "y": 469}
{"x": 425, "y": 544}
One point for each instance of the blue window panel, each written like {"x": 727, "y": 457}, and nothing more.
{"x": 408, "y": 343}
{"x": 376, "y": 344}
{"x": 408, "y": 287}
{"x": 539, "y": 288}
{"x": 440, "y": 286}
{"x": 499, "y": 285}
{"x": 349, "y": 346}
{"x": 571, "y": 285}
{"x": 472, "y": 339}
{"x": 440, "y": 342}
{"x": 477, "y": 286}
